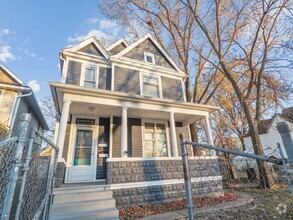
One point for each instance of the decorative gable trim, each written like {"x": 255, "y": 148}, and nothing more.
{"x": 11, "y": 75}
{"x": 149, "y": 36}
{"x": 121, "y": 41}
{"x": 87, "y": 42}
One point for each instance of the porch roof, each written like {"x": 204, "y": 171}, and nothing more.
{"x": 80, "y": 94}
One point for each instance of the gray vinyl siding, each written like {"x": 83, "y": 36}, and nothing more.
{"x": 185, "y": 131}
{"x": 134, "y": 137}
{"x": 104, "y": 131}
{"x": 24, "y": 108}
{"x": 104, "y": 78}
{"x": 172, "y": 89}
{"x": 66, "y": 142}
{"x": 73, "y": 72}
{"x": 117, "y": 49}
{"x": 91, "y": 49}
{"x": 116, "y": 139}
{"x": 126, "y": 80}
{"x": 148, "y": 46}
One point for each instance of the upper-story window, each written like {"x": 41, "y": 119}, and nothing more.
{"x": 151, "y": 86}
{"x": 89, "y": 77}
{"x": 149, "y": 58}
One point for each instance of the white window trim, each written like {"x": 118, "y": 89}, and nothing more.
{"x": 92, "y": 66}
{"x": 143, "y": 121}
{"x": 141, "y": 83}
{"x": 151, "y": 55}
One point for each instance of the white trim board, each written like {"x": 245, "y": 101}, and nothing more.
{"x": 162, "y": 182}
{"x": 119, "y": 159}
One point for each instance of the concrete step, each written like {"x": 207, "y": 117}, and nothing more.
{"x": 92, "y": 205}
{"x": 81, "y": 196}
{"x": 81, "y": 190}
{"x": 106, "y": 214}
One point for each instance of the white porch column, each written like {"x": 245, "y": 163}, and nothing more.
{"x": 209, "y": 134}
{"x": 124, "y": 132}
{"x": 173, "y": 135}
{"x": 63, "y": 126}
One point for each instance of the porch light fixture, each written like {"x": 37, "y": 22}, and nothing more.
{"x": 91, "y": 108}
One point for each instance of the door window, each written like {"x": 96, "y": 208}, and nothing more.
{"x": 83, "y": 147}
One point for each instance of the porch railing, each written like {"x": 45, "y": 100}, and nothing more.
{"x": 26, "y": 175}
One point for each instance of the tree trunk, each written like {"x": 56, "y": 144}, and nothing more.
{"x": 194, "y": 138}
{"x": 266, "y": 179}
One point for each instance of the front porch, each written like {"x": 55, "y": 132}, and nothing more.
{"x": 119, "y": 126}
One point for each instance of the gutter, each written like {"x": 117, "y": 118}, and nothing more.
{"x": 16, "y": 105}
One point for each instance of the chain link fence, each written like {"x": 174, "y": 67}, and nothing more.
{"x": 26, "y": 176}
{"x": 237, "y": 185}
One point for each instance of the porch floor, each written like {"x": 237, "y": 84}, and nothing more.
{"x": 72, "y": 185}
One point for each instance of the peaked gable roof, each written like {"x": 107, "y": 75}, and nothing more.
{"x": 156, "y": 43}
{"x": 265, "y": 125}
{"x": 115, "y": 44}
{"x": 7, "y": 77}
{"x": 90, "y": 46}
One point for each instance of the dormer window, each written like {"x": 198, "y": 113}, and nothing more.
{"x": 89, "y": 77}
{"x": 149, "y": 58}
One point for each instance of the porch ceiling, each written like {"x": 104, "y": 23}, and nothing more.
{"x": 90, "y": 109}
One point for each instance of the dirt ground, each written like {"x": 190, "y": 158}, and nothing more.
{"x": 267, "y": 204}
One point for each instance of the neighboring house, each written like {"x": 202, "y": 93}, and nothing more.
{"x": 269, "y": 137}
{"x": 17, "y": 98}
{"x": 121, "y": 111}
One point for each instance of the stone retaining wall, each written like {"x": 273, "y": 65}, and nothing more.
{"x": 205, "y": 173}
{"x": 153, "y": 170}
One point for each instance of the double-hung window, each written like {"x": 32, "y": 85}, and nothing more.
{"x": 155, "y": 140}
{"x": 151, "y": 86}
{"x": 90, "y": 77}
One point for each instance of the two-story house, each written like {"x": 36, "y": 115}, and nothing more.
{"x": 17, "y": 98}
{"x": 121, "y": 110}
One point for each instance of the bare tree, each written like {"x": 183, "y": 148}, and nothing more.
{"x": 246, "y": 42}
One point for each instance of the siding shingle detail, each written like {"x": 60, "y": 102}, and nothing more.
{"x": 91, "y": 49}
{"x": 148, "y": 46}
{"x": 73, "y": 73}
{"x": 126, "y": 80}
{"x": 117, "y": 49}
{"x": 105, "y": 78}
{"x": 116, "y": 148}
{"x": 172, "y": 89}
{"x": 66, "y": 142}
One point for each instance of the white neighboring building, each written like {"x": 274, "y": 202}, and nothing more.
{"x": 269, "y": 136}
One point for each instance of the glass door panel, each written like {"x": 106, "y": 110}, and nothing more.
{"x": 83, "y": 147}
{"x": 155, "y": 140}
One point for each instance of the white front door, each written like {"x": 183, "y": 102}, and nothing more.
{"x": 82, "y": 164}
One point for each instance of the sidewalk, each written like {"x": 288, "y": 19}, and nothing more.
{"x": 243, "y": 199}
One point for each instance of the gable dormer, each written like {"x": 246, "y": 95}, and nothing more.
{"x": 117, "y": 47}
{"x": 90, "y": 47}
{"x": 148, "y": 50}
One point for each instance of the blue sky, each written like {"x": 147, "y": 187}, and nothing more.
{"x": 32, "y": 32}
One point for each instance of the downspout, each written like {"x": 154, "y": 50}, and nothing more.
{"x": 16, "y": 105}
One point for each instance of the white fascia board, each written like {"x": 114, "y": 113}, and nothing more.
{"x": 135, "y": 101}
{"x": 123, "y": 159}
{"x": 13, "y": 75}
{"x": 138, "y": 65}
{"x": 122, "y": 40}
{"x": 123, "y": 52}
{"x": 82, "y": 57}
{"x": 87, "y": 42}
